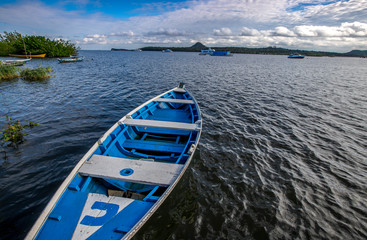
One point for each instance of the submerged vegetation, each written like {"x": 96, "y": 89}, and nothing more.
{"x": 11, "y": 72}
{"x": 15, "y": 43}
{"x": 12, "y": 131}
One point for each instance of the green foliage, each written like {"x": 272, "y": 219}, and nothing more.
{"x": 12, "y": 131}
{"x": 14, "y": 43}
{"x": 11, "y": 72}
{"x": 36, "y": 74}
{"x": 8, "y": 72}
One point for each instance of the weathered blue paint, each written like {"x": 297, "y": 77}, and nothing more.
{"x": 110, "y": 208}
{"x": 126, "y": 172}
{"x": 133, "y": 142}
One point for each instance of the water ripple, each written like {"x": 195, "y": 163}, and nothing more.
{"x": 282, "y": 154}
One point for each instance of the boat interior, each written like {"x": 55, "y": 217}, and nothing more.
{"x": 157, "y": 140}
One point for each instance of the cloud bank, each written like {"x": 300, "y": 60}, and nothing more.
{"x": 338, "y": 25}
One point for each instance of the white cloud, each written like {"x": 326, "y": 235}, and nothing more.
{"x": 166, "y": 32}
{"x": 249, "y": 32}
{"x": 355, "y": 29}
{"x": 94, "y": 39}
{"x": 123, "y": 34}
{"x": 283, "y": 31}
{"x": 222, "y": 32}
{"x": 259, "y": 23}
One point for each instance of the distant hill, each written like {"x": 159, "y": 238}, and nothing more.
{"x": 119, "y": 49}
{"x": 199, "y": 45}
{"x": 356, "y": 53}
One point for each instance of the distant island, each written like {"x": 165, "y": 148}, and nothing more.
{"x": 197, "y": 47}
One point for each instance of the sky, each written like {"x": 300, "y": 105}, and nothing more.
{"x": 321, "y": 25}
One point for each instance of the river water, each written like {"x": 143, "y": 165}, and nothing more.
{"x": 283, "y": 152}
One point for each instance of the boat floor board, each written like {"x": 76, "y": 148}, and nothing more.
{"x": 61, "y": 223}
{"x": 98, "y": 210}
{"x": 124, "y": 221}
{"x": 145, "y": 172}
{"x": 154, "y": 146}
{"x": 161, "y": 124}
{"x": 174, "y": 100}
{"x": 170, "y": 115}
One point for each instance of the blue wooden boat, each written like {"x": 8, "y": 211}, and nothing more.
{"x": 127, "y": 174}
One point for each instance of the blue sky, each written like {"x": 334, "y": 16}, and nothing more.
{"x": 330, "y": 25}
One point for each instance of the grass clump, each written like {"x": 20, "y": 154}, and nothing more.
{"x": 8, "y": 72}
{"x": 40, "y": 73}
{"x": 12, "y": 131}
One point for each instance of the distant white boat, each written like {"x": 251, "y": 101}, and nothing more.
{"x": 15, "y": 62}
{"x": 207, "y": 52}
{"x": 71, "y": 59}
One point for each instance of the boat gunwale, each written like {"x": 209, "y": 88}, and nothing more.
{"x": 156, "y": 205}
{"x": 34, "y": 231}
{"x": 42, "y": 55}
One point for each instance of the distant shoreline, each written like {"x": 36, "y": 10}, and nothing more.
{"x": 262, "y": 51}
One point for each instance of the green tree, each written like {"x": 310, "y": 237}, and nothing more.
{"x": 15, "y": 43}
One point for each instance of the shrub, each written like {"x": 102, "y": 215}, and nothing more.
{"x": 8, "y": 72}
{"x": 40, "y": 73}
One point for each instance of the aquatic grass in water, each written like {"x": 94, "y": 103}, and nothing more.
{"x": 13, "y": 131}
{"x": 11, "y": 72}
{"x": 8, "y": 72}
{"x": 40, "y": 73}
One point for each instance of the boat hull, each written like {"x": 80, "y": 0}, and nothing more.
{"x": 14, "y": 62}
{"x": 85, "y": 189}
{"x": 296, "y": 56}
{"x": 27, "y": 56}
{"x": 225, "y": 54}
{"x": 69, "y": 60}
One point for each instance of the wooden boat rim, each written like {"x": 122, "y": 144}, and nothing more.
{"x": 42, "y": 55}
{"x": 51, "y": 204}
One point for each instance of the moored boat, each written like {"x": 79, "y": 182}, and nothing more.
{"x": 15, "y": 62}
{"x": 167, "y": 51}
{"x": 71, "y": 59}
{"x": 225, "y": 53}
{"x": 127, "y": 174}
{"x": 29, "y": 55}
{"x": 296, "y": 55}
{"x": 207, "y": 52}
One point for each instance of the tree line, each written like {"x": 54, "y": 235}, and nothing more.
{"x": 15, "y": 43}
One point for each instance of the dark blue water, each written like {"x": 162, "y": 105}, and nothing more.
{"x": 283, "y": 153}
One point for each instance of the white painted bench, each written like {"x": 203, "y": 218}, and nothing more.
{"x": 145, "y": 172}
{"x": 161, "y": 124}
{"x": 173, "y": 100}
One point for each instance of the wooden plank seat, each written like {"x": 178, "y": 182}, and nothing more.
{"x": 161, "y": 124}
{"x": 154, "y": 146}
{"x": 138, "y": 171}
{"x": 174, "y": 100}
